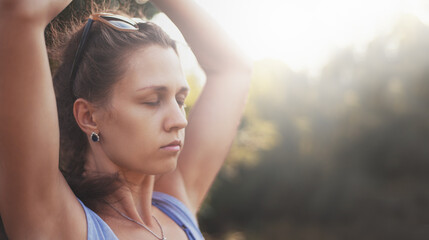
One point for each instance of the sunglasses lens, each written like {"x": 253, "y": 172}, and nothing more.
{"x": 122, "y": 25}
{"x": 120, "y": 22}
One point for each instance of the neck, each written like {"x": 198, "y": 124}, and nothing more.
{"x": 134, "y": 199}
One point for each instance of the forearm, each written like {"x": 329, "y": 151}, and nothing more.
{"x": 215, "y": 51}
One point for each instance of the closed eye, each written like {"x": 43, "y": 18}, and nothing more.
{"x": 156, "y": 103}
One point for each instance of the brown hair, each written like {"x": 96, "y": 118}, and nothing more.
{"x": 96, "y": 73}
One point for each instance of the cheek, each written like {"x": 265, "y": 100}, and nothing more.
{"x": 130, "y": 136}
{"x": 130, "y": 122}
{"x": 138, "y": 123}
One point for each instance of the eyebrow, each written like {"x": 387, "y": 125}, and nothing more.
{"x": 163, "y": 88}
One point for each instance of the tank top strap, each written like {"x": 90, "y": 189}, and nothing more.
{"x": 179, "y": 213}
{"x": 96, "y": 227}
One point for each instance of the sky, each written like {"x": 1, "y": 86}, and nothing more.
{"x": 305, "y": 33}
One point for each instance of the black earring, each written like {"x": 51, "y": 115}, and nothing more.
{"x": 95, "y": 137}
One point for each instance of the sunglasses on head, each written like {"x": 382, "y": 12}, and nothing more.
{"x": 116, "y": 22}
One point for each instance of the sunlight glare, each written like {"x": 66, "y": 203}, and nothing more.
{"x": 305, "y": 33}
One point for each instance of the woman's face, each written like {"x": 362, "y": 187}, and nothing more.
{"x": 143, "y": 128}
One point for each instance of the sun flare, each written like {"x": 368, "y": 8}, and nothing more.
{"x": 305, "y": 33}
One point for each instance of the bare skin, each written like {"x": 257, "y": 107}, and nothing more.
{"x": 31, "y": 186}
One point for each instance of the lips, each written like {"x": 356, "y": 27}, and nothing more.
{"x": 173, "y": 146}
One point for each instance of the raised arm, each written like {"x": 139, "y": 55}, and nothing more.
{"x": 214, "y": 119}
{"x": 35, "y": 201}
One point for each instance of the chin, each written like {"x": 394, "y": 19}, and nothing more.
{"x": 167, "y": 166}
{"x": 171, "y": 166}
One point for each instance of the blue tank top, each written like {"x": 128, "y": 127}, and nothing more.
{"x": 172, "y": 207}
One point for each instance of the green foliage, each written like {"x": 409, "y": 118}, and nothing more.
{"x": 350, "y": 158}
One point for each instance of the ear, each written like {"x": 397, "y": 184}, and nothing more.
{"x": 83, "y": 112}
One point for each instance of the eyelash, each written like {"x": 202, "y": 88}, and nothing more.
{"x": 153, "y": 103}
{"x": 180, "y": 103}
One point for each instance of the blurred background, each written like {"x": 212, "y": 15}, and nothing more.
{"x": 334, "y": 143}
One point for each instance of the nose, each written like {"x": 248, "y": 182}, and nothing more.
{"x": 175, "y": 118}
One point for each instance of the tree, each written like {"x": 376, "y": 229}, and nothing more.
{"x": 350, "y": 160}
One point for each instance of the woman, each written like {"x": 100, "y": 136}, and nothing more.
{"x": 133, "y": 124}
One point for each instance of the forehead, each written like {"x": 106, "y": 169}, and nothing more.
{"x": 153, "y": 65}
